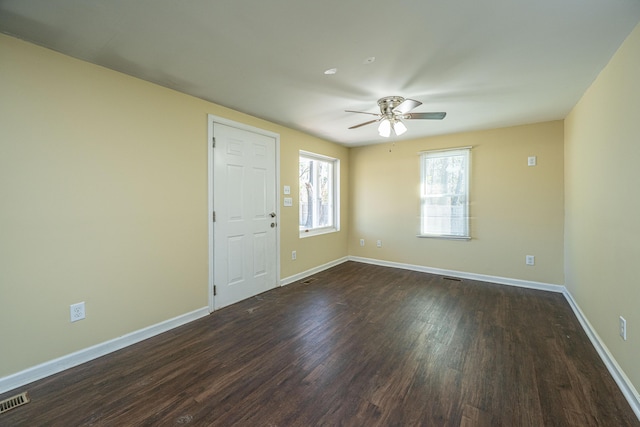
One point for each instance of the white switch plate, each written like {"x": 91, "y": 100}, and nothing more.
{"x": 287, "y": 189}
{"x": 288, "y": 201}
{"x": 623, "y": 328}
{"x": 530, "y": 260}
{"x": 531, "y": 161}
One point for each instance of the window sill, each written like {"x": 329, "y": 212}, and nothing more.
{"x": 438, "y": 236}
{"x": 317, "y": 232}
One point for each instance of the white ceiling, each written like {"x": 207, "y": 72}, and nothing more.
{"x": 487, "y": 63}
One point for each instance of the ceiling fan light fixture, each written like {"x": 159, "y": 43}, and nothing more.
{"x": 385, "y": 128}
{"x": 399, "y": 128}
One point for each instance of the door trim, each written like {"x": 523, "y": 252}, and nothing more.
{"x": 211, "y": 121}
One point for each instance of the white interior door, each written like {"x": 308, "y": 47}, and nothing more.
{"x": 244, "y": 202}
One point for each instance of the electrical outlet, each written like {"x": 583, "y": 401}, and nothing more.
{"x": 379, "y": 243}
{"x": 531, "y": 161}
{"x": 530, "y": 260}
{"x": 293, "y": 255}
{"x": 77, "y": 311}
{"x": 361, "y": 242}
{"x": 623, "y": 328}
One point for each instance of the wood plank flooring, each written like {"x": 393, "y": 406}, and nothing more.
{"x": 361, "y": 345}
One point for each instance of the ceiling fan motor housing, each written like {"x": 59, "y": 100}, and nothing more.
{"x": 388, "y": 103}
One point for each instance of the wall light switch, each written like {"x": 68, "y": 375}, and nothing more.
{"x": 623, "y": 328}
{"x": 287, "y": 189}
{"x": 531, "y": 161}
{"x": 288, "y": 201}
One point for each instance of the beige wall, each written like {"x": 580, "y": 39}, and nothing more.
{"x": 103, "y": 185}
{"x": 602, "y": 152}
{"x": 515, "y": 210}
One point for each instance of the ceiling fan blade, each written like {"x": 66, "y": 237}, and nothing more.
{"x": 406, "y": 106}
{"x": 428, "y": 116}
{"x": 364, "y": 124}
{"x": 361, "y": 112}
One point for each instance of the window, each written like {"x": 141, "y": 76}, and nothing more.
{"x": 319, "y": 194}
{"x": 444, "y": 191}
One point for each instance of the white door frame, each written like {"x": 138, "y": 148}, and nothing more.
{"x": 211, "y": 120}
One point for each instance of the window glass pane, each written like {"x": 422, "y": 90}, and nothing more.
{"x": 445, "y": 201}
{"x": 317, "y": 191}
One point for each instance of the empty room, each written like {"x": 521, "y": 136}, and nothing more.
{"x": 296, "y": 213}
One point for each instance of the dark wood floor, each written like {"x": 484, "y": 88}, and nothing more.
{"x": 361, "y": 345}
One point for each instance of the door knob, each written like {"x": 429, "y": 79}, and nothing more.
{"x": 273, "y": 224}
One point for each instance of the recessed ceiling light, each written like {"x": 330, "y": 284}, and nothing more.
{"x": 369, "y": 60}
{"x": 331, "y": 71}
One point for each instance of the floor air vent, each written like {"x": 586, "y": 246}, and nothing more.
{"x": 309, "y": 280}
{"x": 14, "y": 402}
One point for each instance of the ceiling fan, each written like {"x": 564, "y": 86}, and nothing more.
{"x": 394, "y": 109}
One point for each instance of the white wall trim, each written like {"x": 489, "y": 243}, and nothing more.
{"x": 312, "y": 271}
{"x": 625, "y": 385}
{"x": 464, "y": 275}
{"x": 210, "y": 224}
{"x": 54, "y": 366}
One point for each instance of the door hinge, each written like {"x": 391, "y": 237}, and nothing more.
{"x": 213, "y": 142}
{"x": 215, "y": 291}
{"x": 213, "y": 216}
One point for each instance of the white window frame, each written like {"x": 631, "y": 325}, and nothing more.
{"x": 463, "y": 232}
{"x": 335, "y": 190}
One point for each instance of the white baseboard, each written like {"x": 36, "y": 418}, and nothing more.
{"x": 312, "y": 271}
{"x": 464, "y": 275}
{"x": 625, "y": 385}
{"x": 51, "y": 367}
